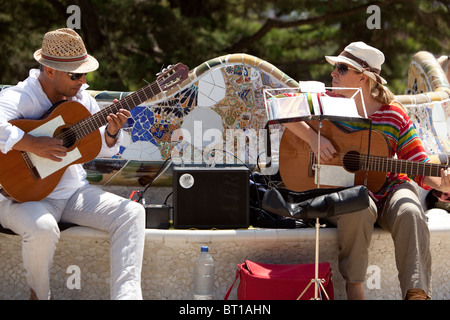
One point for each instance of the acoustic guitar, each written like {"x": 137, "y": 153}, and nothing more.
{"x": 27, "y": 177}
{"x": 356, "y": 162}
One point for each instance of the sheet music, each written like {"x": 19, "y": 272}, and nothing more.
{"x": 289, "y": 107}
{"x": 46, "y": 167}
{"x": 334, "y": 106}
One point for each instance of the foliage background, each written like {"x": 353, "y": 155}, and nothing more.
{"x": 134, "y": 39}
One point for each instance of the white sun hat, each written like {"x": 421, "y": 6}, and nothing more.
{"x": 363, "y": 57}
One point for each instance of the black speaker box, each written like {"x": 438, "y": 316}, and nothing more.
{"x": 157, "y": 216}
{"x": 210, "y": 197}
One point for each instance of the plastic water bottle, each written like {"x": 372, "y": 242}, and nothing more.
{"x": 204, "y": 275}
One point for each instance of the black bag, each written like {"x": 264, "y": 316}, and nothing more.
{"x": 315, "y": 203}
{"x": 261, "y": 218}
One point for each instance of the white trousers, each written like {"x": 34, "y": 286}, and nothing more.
{"x": 36, "y": 223}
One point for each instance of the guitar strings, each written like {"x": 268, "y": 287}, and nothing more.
{"x": 87, "y": 125}
{"x": 379, "y": 163}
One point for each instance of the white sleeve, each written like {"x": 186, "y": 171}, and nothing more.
{"x": 9, "y": 109}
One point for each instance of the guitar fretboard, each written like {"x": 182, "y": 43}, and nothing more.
{"x": 383, "y": 164}
{"x": 92, "y": 123}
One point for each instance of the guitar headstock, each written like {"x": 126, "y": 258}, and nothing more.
{"x": 172, "y": 75}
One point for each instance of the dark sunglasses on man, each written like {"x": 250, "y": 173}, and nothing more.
{"x": 343, "y": 68}
{"x": 75, "y": 76}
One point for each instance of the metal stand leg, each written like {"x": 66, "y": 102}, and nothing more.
{"x": 317, "y": 282}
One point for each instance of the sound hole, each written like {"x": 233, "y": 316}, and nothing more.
{"x": 351, "y": 161}
{"x": 68, "y": 136}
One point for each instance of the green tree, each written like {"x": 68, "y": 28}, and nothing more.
{"x": 134, "y": 39}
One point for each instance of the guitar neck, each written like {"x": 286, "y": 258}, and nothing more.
{"x": 383, "y": 164}
{"x": 97, "y": 120}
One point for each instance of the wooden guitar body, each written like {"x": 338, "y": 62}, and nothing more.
{"x": 297, "y": 161}
{"x": 16, "y": 176}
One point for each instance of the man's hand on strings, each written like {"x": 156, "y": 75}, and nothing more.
{"x": 117, "y": 121}
{"x": 43, "y": 146}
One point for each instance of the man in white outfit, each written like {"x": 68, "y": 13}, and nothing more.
{"x": 64, "y": 63}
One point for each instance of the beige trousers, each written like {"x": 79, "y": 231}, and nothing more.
{"x": 405, "y": 219}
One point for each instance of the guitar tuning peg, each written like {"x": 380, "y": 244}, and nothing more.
{"x": 164, "y": 70}
{"x": 161, "y": 72}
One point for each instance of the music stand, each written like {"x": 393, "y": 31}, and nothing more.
{"x": 306, "y": 116}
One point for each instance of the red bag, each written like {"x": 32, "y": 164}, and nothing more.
{"x": 263, "y": 281}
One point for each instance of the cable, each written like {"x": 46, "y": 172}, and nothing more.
{"x": 167, "y": 198}
{"x": 160, "y": 172}
{"x": 157, "y": 175}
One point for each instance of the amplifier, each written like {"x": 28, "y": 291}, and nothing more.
{"x": 210, "y": 197}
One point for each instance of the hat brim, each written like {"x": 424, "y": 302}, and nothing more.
{"x": 87, "y": 65}
{"x": 340, "y": 59}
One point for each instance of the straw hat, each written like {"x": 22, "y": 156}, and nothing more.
{"x": 64, "y": 50}
{"x": 363, "y": 57}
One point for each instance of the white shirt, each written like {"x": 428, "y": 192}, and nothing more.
{"x": 27, "y": 100}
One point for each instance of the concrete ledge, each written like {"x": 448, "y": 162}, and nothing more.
{"x": 170, "y": 254}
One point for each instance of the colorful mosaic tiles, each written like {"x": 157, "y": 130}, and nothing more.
{"x": 428, "y": 102}
{"x": 226, "y": 93}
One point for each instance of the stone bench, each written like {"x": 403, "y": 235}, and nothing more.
{"x": 170, "y": 254}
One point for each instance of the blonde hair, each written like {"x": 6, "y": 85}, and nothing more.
{"x": 380, "y": 93}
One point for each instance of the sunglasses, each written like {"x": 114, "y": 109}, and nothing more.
{"x": 75, "y": 76}
{"x": 343, "y": 68}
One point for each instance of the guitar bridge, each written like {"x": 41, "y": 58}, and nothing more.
{"x": 329, "y": 175}
{"x": 335, "y": 176}
{"x": 311, "y": 164}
